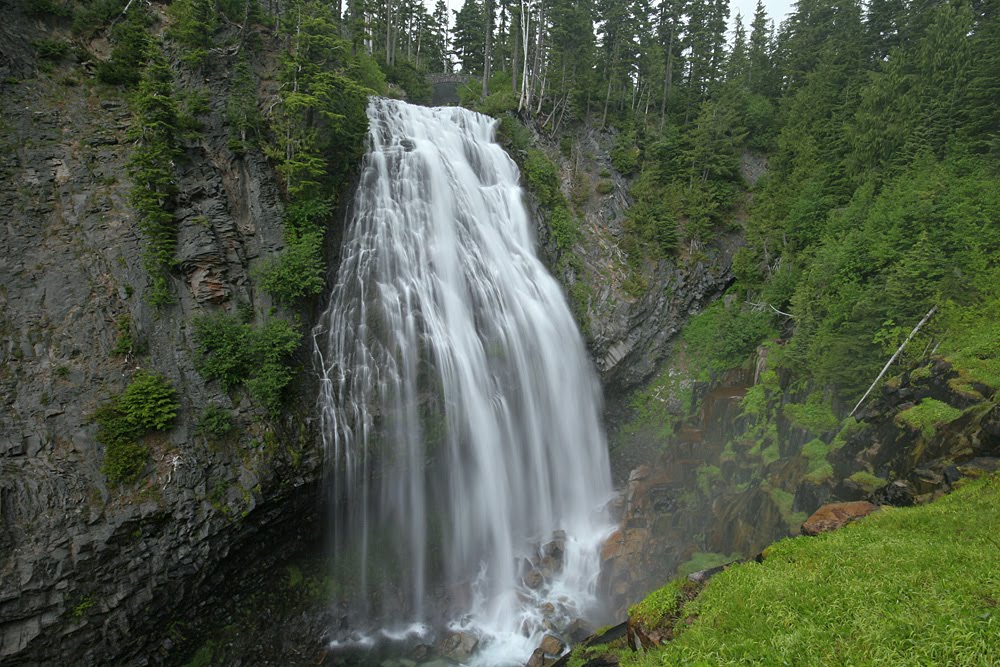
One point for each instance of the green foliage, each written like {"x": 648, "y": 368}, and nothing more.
{"x": 215, "y": 422}
{"x": 242, "y": 115}
{"x": 298, "y": 271}
{"x": 149, "y": 403}
{"x": 927, "y": 416}
{"x": 785, "y": 502}
{"x": 893, "y": 560}
{"x": 969, "y": 338}
{"x": 81, "y": 609}
{"x": 516, "y": 136}
{"x": 42, "y": 8}
{"x": 605, "y": 187}
{"x": 761, "y": 397}
{"x": 408, "y": 77}
{"x": 722, "y": 337}
{"x": 649, "y": 404}
{"x": 540, "y": 174}
{"x": 51, "y": 49}
{"x": 815, "y": 415}
{"x": 708, "y": 477}
{"x": 500, "y": 102}
{"x": 150, "y": 166}
{"x": 94, "y": 16}
{"x": 819, "y": 470}
{"x": 321, "y": 124}
{"x": 125, "y": 342}
{"x": 238, "y": 354}
{"x": 132, "y": 45}
{"x": 625, "y": 154}
{"x": 203, "y": 657}
{"x": 193, "y": 23}
{"x": 124, "y": 461}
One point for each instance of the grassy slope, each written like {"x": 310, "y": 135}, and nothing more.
{"x": 906, "y": 586}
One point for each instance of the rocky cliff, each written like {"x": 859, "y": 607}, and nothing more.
{"x": 92, "y": 572}
{"x": 631, "y": 311}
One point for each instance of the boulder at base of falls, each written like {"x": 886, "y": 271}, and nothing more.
{"x": 836, "y": 515}
{"x": 458, "y": 646}
{"x": 422, "y": 652}
{"x": 533, "y": 579}
{"x": 552, "y": 645}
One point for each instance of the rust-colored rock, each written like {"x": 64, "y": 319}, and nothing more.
{"x": 551, "y": 645}
{"x": 836, "y": 515}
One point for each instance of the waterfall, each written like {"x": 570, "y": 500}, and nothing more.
{"x": 459, "y": 409}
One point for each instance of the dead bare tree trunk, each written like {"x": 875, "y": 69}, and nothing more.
{"x": 893, "y": 357}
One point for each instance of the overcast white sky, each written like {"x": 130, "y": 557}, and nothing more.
{"x": 776, "y": 10}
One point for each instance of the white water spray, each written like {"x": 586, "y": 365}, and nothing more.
{"x": 459, "y": 408}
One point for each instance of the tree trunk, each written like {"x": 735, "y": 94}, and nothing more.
{"x": 668, "y": 79}
{"x": 489, "y": 47}
{"x": 893, "y": 357}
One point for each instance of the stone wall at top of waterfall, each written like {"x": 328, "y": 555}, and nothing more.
{"x": 460, "y": 411}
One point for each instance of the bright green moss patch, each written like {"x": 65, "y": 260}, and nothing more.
{"x": 819, "y": 469}
{"x": 906, "y": 586}
{"x": 867, "y": 481}
{"x": 815, "y": 415}
{"x": 848, "y": 427}
{"x": 659, "y": 605}
{"x": 708, "y": 477}
{"x": 785, "y": 502}
{"x": 771, "y": 454}
{"x": 928, "y": 415}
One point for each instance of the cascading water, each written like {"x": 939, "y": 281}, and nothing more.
{"x": 458, "y": 405}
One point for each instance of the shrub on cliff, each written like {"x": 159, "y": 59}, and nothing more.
{"x": 238, "y": 354}
{"x": 149, "y": 403}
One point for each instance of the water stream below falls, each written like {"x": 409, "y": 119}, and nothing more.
{"x": 461, "y": 414}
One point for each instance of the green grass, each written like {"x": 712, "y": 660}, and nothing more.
{"x": 659, "y": 605}
{"x": 905, "y": 586}
{"x": 928, "y": 415}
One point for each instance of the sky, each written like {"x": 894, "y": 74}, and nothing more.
{"x": 776, "y": 10}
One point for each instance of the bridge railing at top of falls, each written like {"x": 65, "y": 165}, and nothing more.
{"x": 454, "y": 77}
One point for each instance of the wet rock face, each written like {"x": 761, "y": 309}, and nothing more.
{"x": 90, "y": 573}
{"x": 458, "y": 646}
{"x": 627, "y": 334}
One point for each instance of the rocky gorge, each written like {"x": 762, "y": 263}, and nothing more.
{"x": 94, "y": 570}
{"x": 147, "y": 572}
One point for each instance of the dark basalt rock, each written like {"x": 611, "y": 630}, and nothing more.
{"x": 91, "y": 573}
